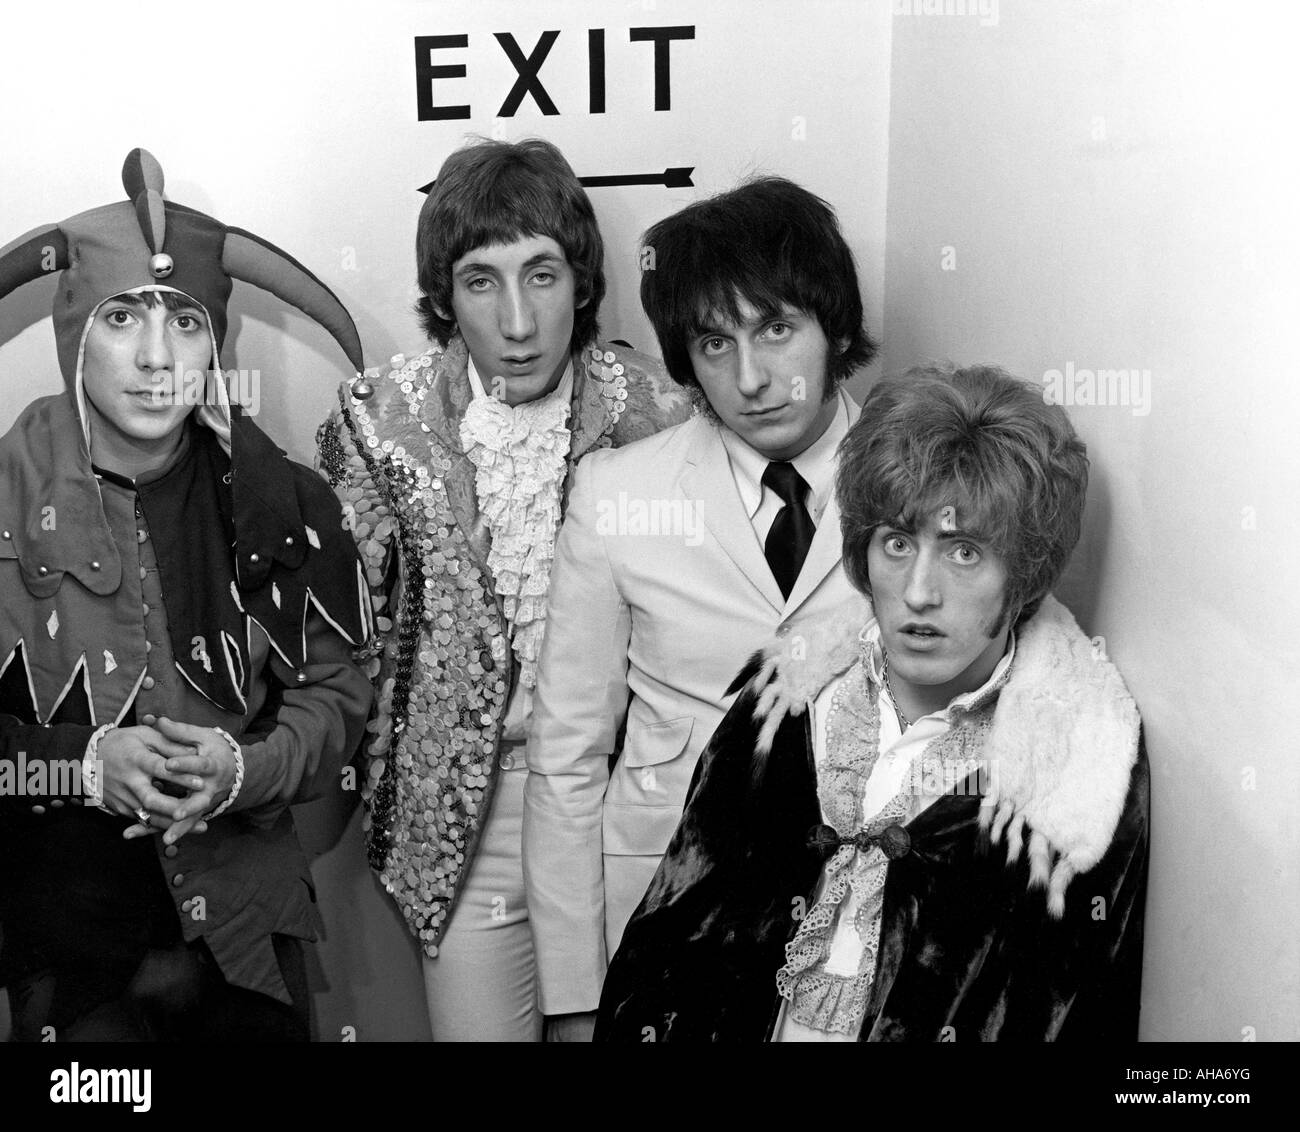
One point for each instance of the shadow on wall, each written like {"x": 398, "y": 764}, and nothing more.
{"x": 1079, "y": 588}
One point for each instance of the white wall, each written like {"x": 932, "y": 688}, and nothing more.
{"x": 1117, "y": 182}
{"x": 299, "y": 123}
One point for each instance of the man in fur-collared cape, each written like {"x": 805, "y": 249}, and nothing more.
{"x": 933, "y": 827}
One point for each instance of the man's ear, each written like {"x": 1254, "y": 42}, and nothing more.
{"x": 579, "y": 303}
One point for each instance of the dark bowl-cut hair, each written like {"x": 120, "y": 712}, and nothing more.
{"x": 768, "y": 242}
{"x": 982, "y": 441}
{"x": 495, "y": 192}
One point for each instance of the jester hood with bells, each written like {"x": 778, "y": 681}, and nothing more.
{"x": 76, "y": 633}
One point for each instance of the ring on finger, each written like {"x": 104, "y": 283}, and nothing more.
{"x": 143, "y": 815}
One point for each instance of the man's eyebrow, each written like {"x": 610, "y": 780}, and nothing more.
{"x": 959, "y": 533}
{"x": 544, "y": 257}
{"x": 474, "y": 268}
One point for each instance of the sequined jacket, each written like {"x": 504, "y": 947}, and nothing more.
{"x": 443, "y": 664}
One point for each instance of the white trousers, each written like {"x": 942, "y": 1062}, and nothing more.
{"x": 483, "y": 985}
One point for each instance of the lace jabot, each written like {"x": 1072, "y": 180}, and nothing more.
{"x": 519, "y": 455}
{"x": 853, "y": 881}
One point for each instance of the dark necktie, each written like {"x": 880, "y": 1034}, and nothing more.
{"x": 792, "y": 529}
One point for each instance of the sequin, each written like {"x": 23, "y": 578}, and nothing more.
{"x": 443, "y": 677}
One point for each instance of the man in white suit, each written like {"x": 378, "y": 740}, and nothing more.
{"x": 681, "y": 555}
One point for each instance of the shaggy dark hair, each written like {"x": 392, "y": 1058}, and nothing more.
{"x": 769, "y": 243}
{"x": 495, "y": 192}
{"x": 978, "y": 439}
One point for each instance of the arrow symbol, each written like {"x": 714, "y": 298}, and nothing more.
{"x": 676, "y": 178}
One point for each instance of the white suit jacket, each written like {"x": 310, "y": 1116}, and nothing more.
{"x": 659, "y": 594}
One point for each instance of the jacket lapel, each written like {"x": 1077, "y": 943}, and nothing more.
{"x": 826, "y": 550}
{"x": 588, "y": 418}
{"x": 443, "y": 409}
{"x": 707, "y": 479}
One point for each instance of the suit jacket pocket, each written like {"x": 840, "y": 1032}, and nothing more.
{"x": 657, "y": 742}
{"x": 654, "y": 769}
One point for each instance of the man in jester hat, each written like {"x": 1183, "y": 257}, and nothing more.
{"x": 179, "y": 606}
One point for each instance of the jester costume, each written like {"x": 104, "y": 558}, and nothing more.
{"x": 219, "y": 591}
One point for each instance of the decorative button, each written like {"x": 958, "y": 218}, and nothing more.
{"x": 609, "y": 357}
{"x": 254, "y": 557}
{"x": 144, "y": 608}
{"x": 178, "y": 880}
{"x": 7, "y": 535}
{"x": 38, "y": 809}
{"x": 161, "y": 265}
{"x": 94, "y": 565}
{"x": 288, "y": 540}
{"x": 148, "y": 646}
{"x": 783, "y": 631}
{"x": 186, "y": 905}
{"x": 57, "y": 803}
{"x": 148, "y": 683}
{"x": 302, "y": 677}
{"x": 42, "y": 570}
{"x": 619, "y": 369}
{"x": 170, "y": 851}
{"x": 507, "y": 762}
{"x": 141, "y": 536}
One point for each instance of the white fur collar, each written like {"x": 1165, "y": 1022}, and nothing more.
{"x": 1060, "y": 751}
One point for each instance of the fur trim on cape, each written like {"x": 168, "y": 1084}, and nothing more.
{"x": 1059, "y": 754}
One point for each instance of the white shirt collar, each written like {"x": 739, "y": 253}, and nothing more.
{"x": 816, "y": 463}
{"x": 562, "y": 392}
{"x": 967, "y": 701}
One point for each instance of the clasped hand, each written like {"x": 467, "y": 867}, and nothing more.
{"x": 134, "y": 761}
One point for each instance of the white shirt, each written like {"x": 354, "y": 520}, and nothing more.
{"x": 900, "y": 753}
{"x": 816, "y": 464}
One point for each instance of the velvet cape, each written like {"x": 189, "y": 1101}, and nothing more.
{"x": 968, "y": 950}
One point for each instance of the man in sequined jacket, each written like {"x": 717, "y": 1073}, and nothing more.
{"x": 178, "y": 609}
{"x": 454, "y": 467}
